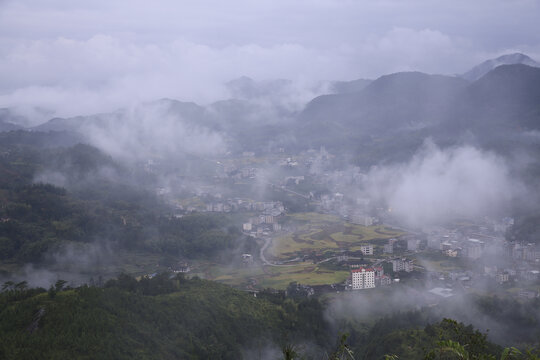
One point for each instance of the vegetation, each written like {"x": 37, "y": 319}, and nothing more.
{"x": 171, "y": 317}
{"x": 96, "y": 201}
{"x": 157, "y": 318}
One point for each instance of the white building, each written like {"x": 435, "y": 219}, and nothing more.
{"x": 366, "y": 249}
{"x": 363, "y": 278}
{"x": 402, "y": 265}
{"x": 247, "y": 226}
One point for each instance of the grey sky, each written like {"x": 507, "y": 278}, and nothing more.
{"x": 86, "y": 56}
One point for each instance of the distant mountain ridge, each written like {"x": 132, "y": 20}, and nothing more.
{"x": 509, "y": 59}
{"x": 401, "y": 108}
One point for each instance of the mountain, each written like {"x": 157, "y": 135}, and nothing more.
{"x": 164, "y": 107}
{"x": 391, "y": 117}
{"x": 8, "y": 121}
{"x": 345, "y": 87}
{"x": 246, "y": 88}
{"x": 388, "y": 105}
{"x": 510, "y": 59}
{"x": 506, "y": 98}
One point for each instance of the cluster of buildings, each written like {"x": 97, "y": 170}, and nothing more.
{"x": 525, "y": 252}
{"x": 180, "y": 267}
{"x": 369, "y": 277}
{"x": 274, "y": 208}
{"x": 455, "y": 244}
{"x": 356, "y": 212}
{"x": 267, "y": 221}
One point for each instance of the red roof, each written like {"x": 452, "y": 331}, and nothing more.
{"x": 360, "y": 270}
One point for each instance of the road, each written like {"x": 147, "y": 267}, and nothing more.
{"x": 267, "y": 242}
{"x": 288, "y": 190}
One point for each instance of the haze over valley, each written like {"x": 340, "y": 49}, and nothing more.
{"x": 215, "y": 182}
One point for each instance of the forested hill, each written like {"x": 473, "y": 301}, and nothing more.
{"x": 92, "y": 198}
{"x": 168, "y": 317}
{"x": 158, "y": 318}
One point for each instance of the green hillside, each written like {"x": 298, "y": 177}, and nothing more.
{"x": 158, "y": 318}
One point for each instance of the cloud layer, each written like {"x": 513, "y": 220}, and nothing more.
{"x": 442, "y": 184}
{"x": 78, "y": 58}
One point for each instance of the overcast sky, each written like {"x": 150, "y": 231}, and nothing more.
{"x": 87, "y": 56}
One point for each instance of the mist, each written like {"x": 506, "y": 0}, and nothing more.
{"x": 438, "y": 185}
{"x": 55, "y": 58}
{"x": 208, "y": 176}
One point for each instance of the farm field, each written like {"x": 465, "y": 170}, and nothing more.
{"x": 277, "y": 277}
{"x": 317, "y": 233}
{"x": 438, "y": 262}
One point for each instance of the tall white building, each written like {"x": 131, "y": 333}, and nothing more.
{"x": 363, "y": 278}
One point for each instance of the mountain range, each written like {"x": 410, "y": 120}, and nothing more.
{"x": 403, "y": 107}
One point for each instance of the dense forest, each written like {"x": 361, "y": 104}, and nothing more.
{"x": 171, "y": 317}
{"x": 158, "y": 318}
{"x": 95, "y": 200}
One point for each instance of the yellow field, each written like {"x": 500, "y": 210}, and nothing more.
{"x": 322, "y": 232}
{"x": 277, "y": 277}
{"x": 304, "y": 273}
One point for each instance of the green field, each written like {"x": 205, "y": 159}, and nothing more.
{"x": 304, "y": 273}
{"x": 439, "y": 262}
{"x": 320, "y": 232}
{"x": 277, "y": 277}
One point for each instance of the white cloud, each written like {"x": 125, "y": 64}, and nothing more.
{"x": 443, "y": 184}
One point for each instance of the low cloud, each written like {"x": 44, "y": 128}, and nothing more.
{"x": 68, "y": 76}
{"x": 147, "y": 130}
{"x": 441, "y": 184}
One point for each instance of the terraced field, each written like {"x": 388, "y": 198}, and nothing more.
{"x": 317, "y": 233}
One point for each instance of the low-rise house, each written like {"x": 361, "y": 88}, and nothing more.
{"x": 502, "y": 277}
{"x": 247, "y": 259}
{"x": 180, "y": 267}
{"x": 402, "y": 265}
{"x": 366, "y": 249}
{"x": 528, "y": 294}
{"x": 383, "y": 280}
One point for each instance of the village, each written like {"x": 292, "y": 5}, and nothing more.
{"x": 356, "y": 249}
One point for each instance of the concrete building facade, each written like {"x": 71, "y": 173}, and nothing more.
{"x": 363, "y": 278}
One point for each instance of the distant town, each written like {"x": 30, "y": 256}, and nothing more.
{"x": 456, "y": 256}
